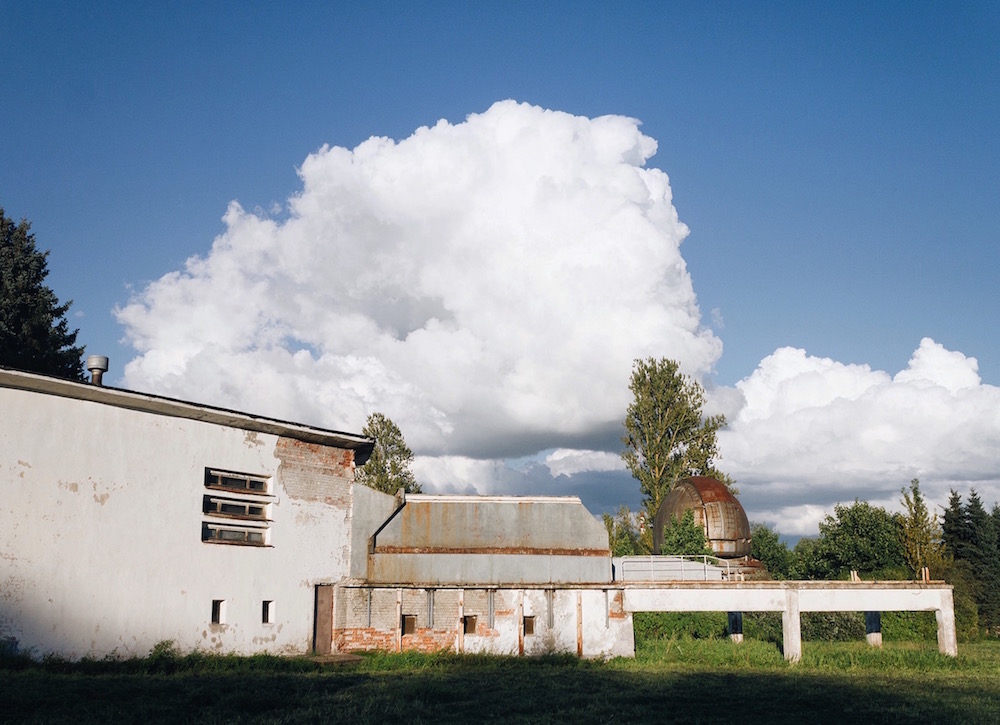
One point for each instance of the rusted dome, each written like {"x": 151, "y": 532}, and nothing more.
{"x": 716, "y": 510}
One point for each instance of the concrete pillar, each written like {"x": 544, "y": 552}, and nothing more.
{"x": 579, "y": 624}
{"x": 947, "y": 641}
{"x": 520, "y": 622}
{"x": 873, "y": 628}
{"x": 399, "y": 620}
{"x": 736, "y": 627}
{"x": 460, "y": 640}
{"x": 791, "y": 626}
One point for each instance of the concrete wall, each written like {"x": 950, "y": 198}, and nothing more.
{"x": 101, "y": 519}
{"x": 589, "y": 622}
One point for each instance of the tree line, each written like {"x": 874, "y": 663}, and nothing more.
{"x": 963, "y": 549}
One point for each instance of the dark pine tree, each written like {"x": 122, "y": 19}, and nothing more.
{"x": 34, "y": 334}
{"x": 955, "y": 529}
{"x": 984, "y": 558}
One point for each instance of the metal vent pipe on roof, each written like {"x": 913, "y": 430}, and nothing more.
{"x": 97, "y": 365}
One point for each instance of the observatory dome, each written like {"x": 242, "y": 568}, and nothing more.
{"x": 716, "y": 510}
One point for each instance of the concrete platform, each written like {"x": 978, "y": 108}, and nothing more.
{"x": 791, "y": 598}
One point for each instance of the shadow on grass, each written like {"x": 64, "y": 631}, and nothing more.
{"x": 476, "y": 689}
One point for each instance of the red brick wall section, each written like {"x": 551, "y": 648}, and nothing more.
{"x": 617, "y": 606}
{"x": 313, "y": 472}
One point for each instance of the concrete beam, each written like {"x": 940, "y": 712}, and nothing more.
{"x": 793, "y": 597}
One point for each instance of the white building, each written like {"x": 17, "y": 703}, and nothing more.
{"x": 129, "y": 519}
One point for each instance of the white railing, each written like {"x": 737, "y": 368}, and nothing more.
{"x": 673, "y": 568}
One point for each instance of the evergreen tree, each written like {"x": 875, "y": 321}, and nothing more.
{"x": 984, "y": 559}
{"x": 666, "y": 437}
{"x": 388, "y": 468}
{"x": 955, "y": 527}
{"x": 34, "y": 334}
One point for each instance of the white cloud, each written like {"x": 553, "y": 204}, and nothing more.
{"x": 567, "y": 462}
{"x": 486, "y": 284}
{"x": 814, "y": 432}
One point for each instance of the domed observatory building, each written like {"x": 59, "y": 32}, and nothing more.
{"x": 716, "y": 510}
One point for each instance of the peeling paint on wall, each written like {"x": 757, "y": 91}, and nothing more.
{"x": 311, "y": 472}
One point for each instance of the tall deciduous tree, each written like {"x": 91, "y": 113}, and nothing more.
{"x": 388, "y": 468}
{"x": 34, "y": 334}
{"x": 920, "y": 533}
{"x": 666, "y": 436}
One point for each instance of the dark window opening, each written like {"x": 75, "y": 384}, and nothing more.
{"x": 529, "y": 626}
{"x": 409, "y": 624}
{"x": 469, "y": 624}
{"x": 234, "y": 509}
{"x": 223, "y": 535}
{"x": 231, "y": 481}
{"x": 218, "y": 611}
{"x": 267, "y": 612}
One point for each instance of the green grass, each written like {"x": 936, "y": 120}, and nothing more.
{"x": 671, "y": 680}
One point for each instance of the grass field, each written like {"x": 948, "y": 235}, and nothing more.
{"x": 673, "y": 680}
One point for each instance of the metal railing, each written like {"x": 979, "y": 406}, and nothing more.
{"x": 674, "y": 568}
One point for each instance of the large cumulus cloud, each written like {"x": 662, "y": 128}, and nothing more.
{"x": 487, "y": 284}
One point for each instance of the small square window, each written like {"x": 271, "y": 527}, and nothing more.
{"x": 529, "y": 626}
{"x": 218, "y": 611}
{"x": 267, "y": 612}
{"x": 409, "y": 624}
{"x": 469, "y": 623}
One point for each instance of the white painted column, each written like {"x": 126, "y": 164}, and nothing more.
{"x": 460, "y": 642}
{"x": 791, "y": 626}
{"x": 399, "y": 620}
{"x": 947, "y": 640}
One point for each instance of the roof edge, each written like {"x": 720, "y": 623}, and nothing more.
{"x": 160, "y": 405}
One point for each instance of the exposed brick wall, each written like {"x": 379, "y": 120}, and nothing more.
{"x": 313, "y": 472}
{"x": 355, "y": 633}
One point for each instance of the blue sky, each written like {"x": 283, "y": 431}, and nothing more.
{"x": 835, "y": 165}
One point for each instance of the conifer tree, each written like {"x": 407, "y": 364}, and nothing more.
{"x": 955, "y": 527}
{"x": 984, "y": 558}
{"x": 34, "y": 334}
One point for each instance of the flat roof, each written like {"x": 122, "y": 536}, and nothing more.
{"x": 474, "y": 499}
{"x": 159, "y": 405}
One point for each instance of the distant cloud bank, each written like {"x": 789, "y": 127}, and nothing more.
{"x": 488, "y": 284}
{"x": 815, "y": 431}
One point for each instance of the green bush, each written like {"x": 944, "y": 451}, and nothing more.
{"x": 665, "y": 625}
{"x": 909, "y": 626}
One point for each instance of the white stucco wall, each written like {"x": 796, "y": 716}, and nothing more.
{"x": 100, "y": 533}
